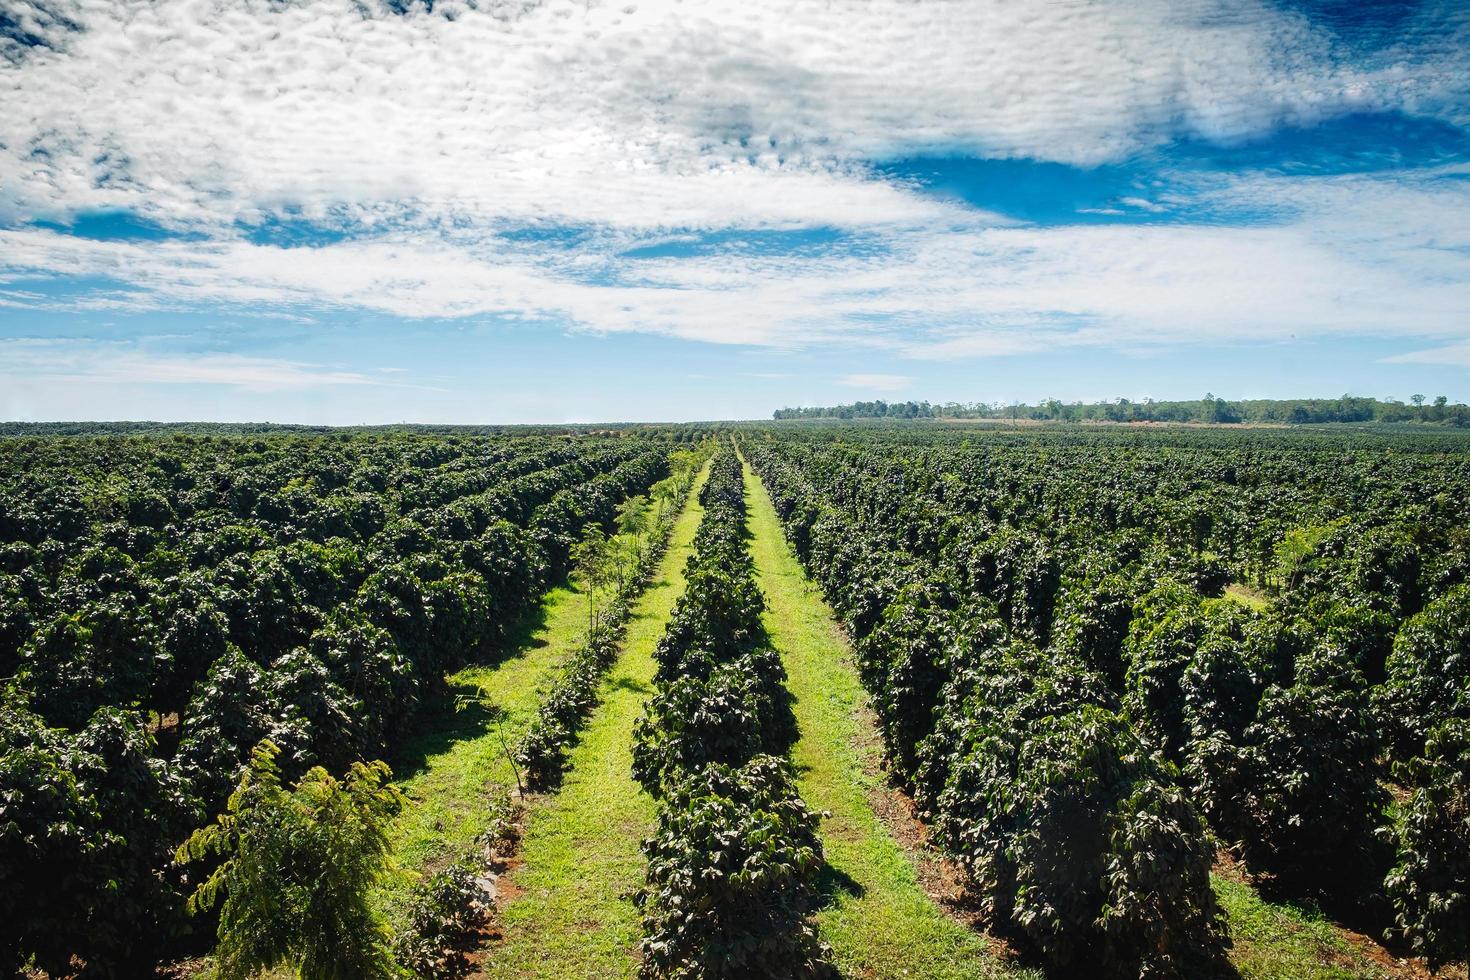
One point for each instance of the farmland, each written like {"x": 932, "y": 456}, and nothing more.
{"x": 816, "y": 700}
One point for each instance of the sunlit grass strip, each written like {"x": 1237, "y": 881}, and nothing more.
{"x": 573, "y": 916}
{"x": 542, "y": 752}
{"x": 454, "y": 836}
{"x": 875, "y": 917}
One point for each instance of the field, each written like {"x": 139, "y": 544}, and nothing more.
{"x": 769, "y": 699}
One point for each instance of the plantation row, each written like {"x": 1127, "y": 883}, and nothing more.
{"x": 169, "y": 604}
{"x": 449, "y": 909}
{"x": 543, "y": 750}
{"x": 732, "y": 865}
{"x": 1081, "y": 713}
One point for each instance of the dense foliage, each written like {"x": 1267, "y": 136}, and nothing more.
{"x": 1090, "y": 653}
{"x": 168, "y": 602}
{"x": 1095, "y": 653}
{"x": 730, "y": 875}
{"x": 732, "y": 867}
{"x": 88, "y": 824}
{"x": 1430, "y": 885}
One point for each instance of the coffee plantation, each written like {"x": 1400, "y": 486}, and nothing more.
{"x": 1112, "y": 681}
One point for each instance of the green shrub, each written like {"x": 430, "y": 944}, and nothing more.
{"x": 1168, "y": 628}
{"x": 1172, "y": 626}
{"x": 724, "y": 713}
{"x": 1428, "y": 674}
{"x": 901, "y": 660}
{"x": 232, "y": 710}
{"x": 1075, "y": 836}
{"x": 1430, "y": 885}
{"x": 1018, "y": 569}
{"x": 731, "y": 877}
{"x": 1092, "y": 622}
{"x": 1299, "y": 796}
{"x": 444, "y": 917}
{"x": 298, "y": 869}
{"x": 995, "y": 685}
{"x": 719, "y": 612}
{"x": 85, "y": 821}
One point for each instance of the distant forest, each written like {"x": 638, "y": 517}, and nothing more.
{"x": 1291, "y": 411}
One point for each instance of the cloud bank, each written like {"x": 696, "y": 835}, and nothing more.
{"x": 517, "y": 159}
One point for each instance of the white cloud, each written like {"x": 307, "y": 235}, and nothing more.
{"x": 1361, "y": 258}
{"x": 681, "y": 113}
{"x": 876, "y": 382}
{"x": 75, "y": 360}
{"x": 429, "y": 135}
{"x": 1457, "y": 355}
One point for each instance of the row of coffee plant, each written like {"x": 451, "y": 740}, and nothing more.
{"x": 170, "y": 603}
{"x": 625, "y": 569}
{"x": 991, "y": 607}
{"x": 449, "y": 911}
{"x": 732, "y": 866}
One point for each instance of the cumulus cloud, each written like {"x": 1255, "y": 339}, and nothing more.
{"x": 1354, "y": 263}
{"x": 433, "y": 139}
{"x": 663, "y": 113}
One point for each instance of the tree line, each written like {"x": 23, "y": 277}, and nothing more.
{"x": 1210, "y": 409}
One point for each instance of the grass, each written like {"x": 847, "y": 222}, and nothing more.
{"x": 1248, "y": 596}
{"x": 458, "y": 762}
{"x": 581, "y": 854}
{"x": 455, "y": 764}
{"x": 878, "y": 920}
{"x": 581, "y": 850}
{"x": 1280, "y": 942}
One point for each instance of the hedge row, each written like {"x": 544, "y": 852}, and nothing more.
{"x": 1071, "y": 828}
{"x": 450, "y": 909}
{"x": 732, "y": 866}
{"x": 1275, "y": 722}
{"x": 542, "y": 752}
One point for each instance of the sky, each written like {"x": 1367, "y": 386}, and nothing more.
{"x": 369, "y": 211}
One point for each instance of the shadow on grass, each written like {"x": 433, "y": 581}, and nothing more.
{"x": 629, "y": 684}
{"x": 1362, "y": 909}
{"x": 833, "y": 881}
{"x": 452, "y": 710}
{"x": 454, "y": 714}
{"x": 636, "y": 614}
{"x": 521, "y": 636}
{"x": 1023, "y": 958}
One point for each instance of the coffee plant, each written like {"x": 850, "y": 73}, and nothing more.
{"x": 732, "y": 866}
{"x": 1244, "y": 625}
{"x": 169, "y": 602}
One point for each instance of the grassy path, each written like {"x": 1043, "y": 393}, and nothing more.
{"x": 581, "y": 854}
{"x": 451, "y": 769}
{"x": 455, "y": 765}
{"x": 879, "y": 921}
{"x": 1275, "y": 941}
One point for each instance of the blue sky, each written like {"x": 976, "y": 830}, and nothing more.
{"x": 537, "y": 210}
